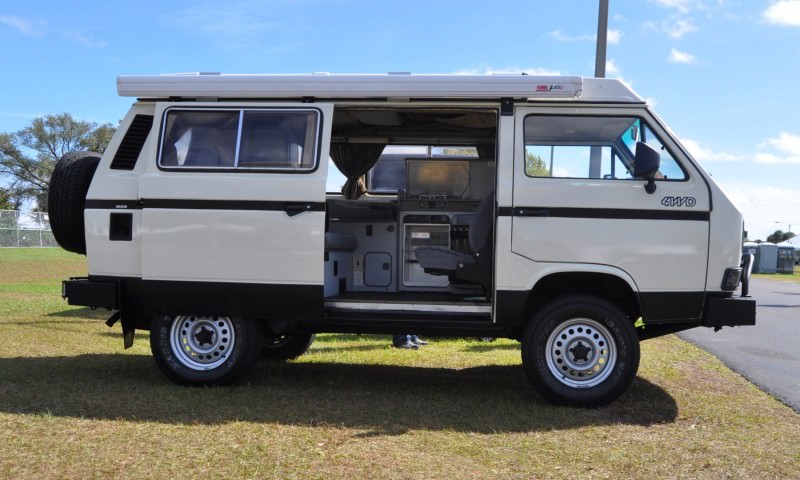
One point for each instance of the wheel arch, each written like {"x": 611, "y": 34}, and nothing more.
{"x": 616, "y": 287}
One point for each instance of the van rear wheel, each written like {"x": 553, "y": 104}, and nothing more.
{"x": 580, "y": 350}
{"x": 205, "y": 350}
{"x": 287, "y": 347}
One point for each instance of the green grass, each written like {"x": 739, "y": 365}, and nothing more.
{"x": 74, "y": 404}
{"x": 781, "y": 277}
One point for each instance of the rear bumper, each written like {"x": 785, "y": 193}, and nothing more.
{"x": 88, "y": 293}
{"x": 729, "y": 312}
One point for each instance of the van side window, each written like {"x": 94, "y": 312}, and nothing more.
{"x": 669, "y": 169}
{"x": 199, "y": 139}
{"x": 239, "y": 139}
{"x": 282, "y": 139}
{"x": 590, "y": 147}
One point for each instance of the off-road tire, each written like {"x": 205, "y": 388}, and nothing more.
{"x": 205, "y": 350}
{"x": 580, "y": 350}
{"x": 66, "y": 198}
{"x": 286, "y": 347}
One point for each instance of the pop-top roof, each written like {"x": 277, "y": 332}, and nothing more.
{"x": 332, "y": 86}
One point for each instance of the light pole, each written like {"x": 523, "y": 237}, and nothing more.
{"x": 787, "y": 224}
{"x": 602, "y": 40}
{"x": 595, "y": 152}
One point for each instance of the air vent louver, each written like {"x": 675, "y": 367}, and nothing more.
{"x": 131, "y": 146}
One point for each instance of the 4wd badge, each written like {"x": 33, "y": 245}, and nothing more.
{"x": 678, "y": 201}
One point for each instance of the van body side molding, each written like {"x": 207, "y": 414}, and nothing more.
{"x": 180, "y": 204}
{"x": 605, "y": 213}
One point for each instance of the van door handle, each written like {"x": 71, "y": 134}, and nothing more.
{"x": 296, "y": 208}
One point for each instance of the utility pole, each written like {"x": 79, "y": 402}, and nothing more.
{"x": 602, "y": 40}
{"x": 596, "y": 153}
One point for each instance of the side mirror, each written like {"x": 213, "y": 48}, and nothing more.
{"x": 646, "y": 164}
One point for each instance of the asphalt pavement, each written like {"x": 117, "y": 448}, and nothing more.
{"x": 767, "y": 354}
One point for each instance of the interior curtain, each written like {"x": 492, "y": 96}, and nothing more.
{"x": 486, "y": 151}
{"x": 354, "y": 160}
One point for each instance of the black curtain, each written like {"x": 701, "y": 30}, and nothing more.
{"x": 486, "y": 151}
{"x": 354, "y": 160}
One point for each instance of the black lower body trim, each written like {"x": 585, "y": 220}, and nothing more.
{"x": 275, "y": 301}
{"x": 272, "y": 301}
{"x": 672, "y": 307}
{"x": 510, "y": 307}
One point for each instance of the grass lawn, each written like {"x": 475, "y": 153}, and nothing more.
{"x": 781, "y": 277}
{"x": 74, "y": 404}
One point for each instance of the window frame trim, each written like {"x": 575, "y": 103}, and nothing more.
{"x": 241, "y": 111}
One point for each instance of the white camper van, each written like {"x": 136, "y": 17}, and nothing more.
{"x": 559, "y": 211}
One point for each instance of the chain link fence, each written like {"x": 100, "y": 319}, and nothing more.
{"x": 25, "y": 229}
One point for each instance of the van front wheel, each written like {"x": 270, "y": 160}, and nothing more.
{"x": 205, "y": 350}
{"x": 580, "y": 350}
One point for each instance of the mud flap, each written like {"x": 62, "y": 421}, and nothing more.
{"x": 128, "y": 328}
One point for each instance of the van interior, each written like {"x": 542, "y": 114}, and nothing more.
{"x": 413, "y": 223}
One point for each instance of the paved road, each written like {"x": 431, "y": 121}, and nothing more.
{"x": 769, "y": 353}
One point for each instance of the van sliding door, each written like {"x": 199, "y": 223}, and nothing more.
{"x": 233, "y": 210}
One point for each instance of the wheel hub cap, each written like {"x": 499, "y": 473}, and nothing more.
{"x": 581, "y": 353}
{"x": 202, "y": 343}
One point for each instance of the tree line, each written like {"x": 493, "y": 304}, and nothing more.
{"x": 28, "y": 156}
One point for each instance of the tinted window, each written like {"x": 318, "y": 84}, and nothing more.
{"x": 239, "y": 139}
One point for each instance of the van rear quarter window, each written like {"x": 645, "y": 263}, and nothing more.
{"x": 238, "y": 139}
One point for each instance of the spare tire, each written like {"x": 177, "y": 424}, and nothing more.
{"x": 66, "y": 199}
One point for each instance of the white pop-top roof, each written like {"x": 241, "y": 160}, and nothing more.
{"x": 370, "y": 86}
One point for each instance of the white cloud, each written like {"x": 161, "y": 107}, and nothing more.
{"x": 242, "y": 24}
{"x": 613, "y": 71}
{"x": 783, "y": 12}
{"x": 611, "y": 68}
{"x": 676, "y": 56}
{"x": 563, "y": 37}
{"x": 686, "y": 6}
{"x": 31, "y": 27}
{"x": 772, "y": 159}
{"x": 80, "y": 38}
{"x": 487, "y": 70}
{"x": 682, "y": 6}
{"x": 613, "y": 37}
{"x": 788, "y": 146}
{"x": 763, "y": 205}
{"x": 786, "y": 143}
{"x": 704, "y": 154}
{"x": 680, "y": 28}
{"x": 674, "y": 27}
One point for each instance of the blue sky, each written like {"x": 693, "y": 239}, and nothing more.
{"x": 722, "y": 73}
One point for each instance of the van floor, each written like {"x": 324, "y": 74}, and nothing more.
{"x": 409, "y": 302}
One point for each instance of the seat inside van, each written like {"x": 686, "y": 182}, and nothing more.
{"x": 419, "y": 189}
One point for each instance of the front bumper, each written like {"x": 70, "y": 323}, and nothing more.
{"x": 729, "y": 312}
